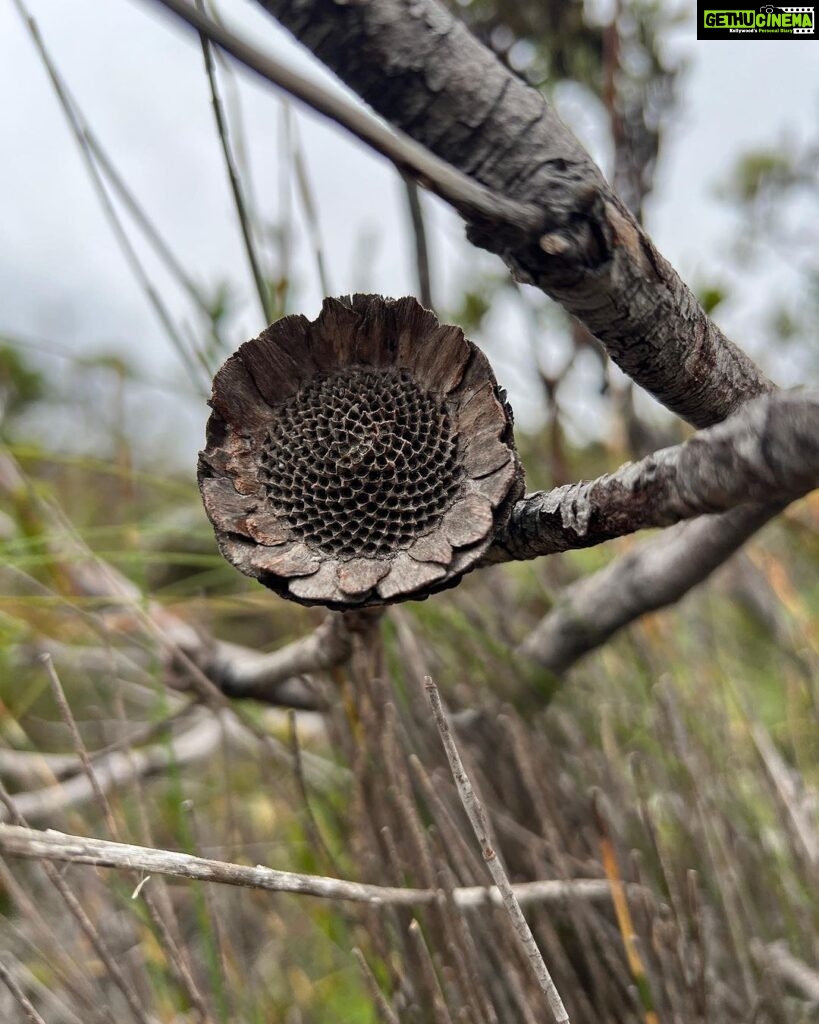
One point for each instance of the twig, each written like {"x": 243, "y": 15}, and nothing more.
{"x": 119, "y": 769}
{"x": 314, "y": 833}
{"x": 54, "y": 1000}
{"x": 94, "y": 576}
{"x": 25, "y": 1005}
{"x": 477, "y": 817}
{"x": 419, "y": 67}
{"x": 233, "y": 177}
{"x": 158, "y": 903}
{"x": 419, "y": 234}
{"x": 63, "y": 963}
{"x": 308, "y": 202}
{"x": 768, "y": 452}
{"x": 96, "y": 786}
{"x": 385, "y": 1011}
{"x": 83, "y": 920}
{"x": 241, "y": 672}
{"x": 785, "y": 789}
{"x": 79, "y": 746}
{"x": 622, "y": 910}
{"x": 407, "y": 155}
{"x": 645, "y": 579}
{"x": 143, "y": 221}
{"x": 50, "y": 845}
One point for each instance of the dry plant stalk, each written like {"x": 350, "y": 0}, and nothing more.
{"x": 53, "y": 846}
{"x": 477, "y": 817}
{"x": 362, "y": 458}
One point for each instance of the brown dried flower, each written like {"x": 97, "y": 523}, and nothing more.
{"x": 362, "y": 458}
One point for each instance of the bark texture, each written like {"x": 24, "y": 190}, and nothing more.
{"x": 422, "y": 70}
{"x": 769, "y": 450}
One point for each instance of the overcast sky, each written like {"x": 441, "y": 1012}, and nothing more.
{"x": 138, "y": 79}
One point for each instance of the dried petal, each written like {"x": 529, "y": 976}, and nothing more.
{"x": 227, "y": 509}
{"x": 238, "y": 552}
{"x": 476, "y": 374}
{"x": 465, "y": 559}
{"x": 237, "y": 399}
{"x": 333, "y": 335}
{"x": 432, "y": 548}
{"x": 482, "y": 413}
{"x": 267, "y": 529}
{"x": 407, "y": 576}
{"x": 415, "y": 326}
{"x": 440, "y": 363}
{"x": 495, "y": 486}
{"x": 286, "y": 560}
{"x": 469, "y": 520}
{"x": 321, "y": 587}
{"x": 275, "y": 372}
{"x": 485, "y": 454}
{"x": 373, "y": 328}
{"x": 361, "y": 574}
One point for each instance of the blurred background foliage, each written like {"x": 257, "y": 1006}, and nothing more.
{"x": 687, "y": 746}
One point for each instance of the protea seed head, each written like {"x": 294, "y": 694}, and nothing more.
{"x": 362, "y": 458}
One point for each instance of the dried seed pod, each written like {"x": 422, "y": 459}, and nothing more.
{"x": 362, "y": 458}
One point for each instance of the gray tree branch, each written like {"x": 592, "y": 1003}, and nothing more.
{"x": 422, "y": 70}
{"x": 279, "y": 677}
{"x": 201, "y": 740}
{"x": 50, "y": 845}
{"x": 767, "y": 453}
{"x": 653, "y": 576}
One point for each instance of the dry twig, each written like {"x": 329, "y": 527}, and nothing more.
{"x": 50, "y": 845}
{"x": 480, "y": 824}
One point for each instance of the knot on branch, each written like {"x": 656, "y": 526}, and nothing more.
{"x": 362, "y": 458}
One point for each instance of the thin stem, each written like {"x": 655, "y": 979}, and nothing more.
{"x": 128, "y": 250}
{"x": 25, "y": 1004}
{"x": 419, "y": 233}
{"x": 233, "y": 176}
{"x": 480, "y": 825}
{"x": 308, "y": 201}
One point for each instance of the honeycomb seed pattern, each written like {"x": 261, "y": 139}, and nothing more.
{"x": 361, "y": 462}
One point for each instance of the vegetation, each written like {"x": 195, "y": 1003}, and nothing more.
{"x": 674, "y": 770}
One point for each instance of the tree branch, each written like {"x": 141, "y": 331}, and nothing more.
{"x": 767, "y": 452}
{"x": 50, "y": 845}
{"x": 465, "y": 194}
{"x": 277, "y": 677}
{"x": 421, "y": 69}
{"x": 202, "y": 739}
{"x": 652, "y": 576}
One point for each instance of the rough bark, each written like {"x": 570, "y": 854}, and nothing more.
{"x": 653, "y": 576}
{"x": 421, "y": 69}
{"x": 768, "y": 451}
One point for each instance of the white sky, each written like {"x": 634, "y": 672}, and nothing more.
{"x": 139, "y": 81}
